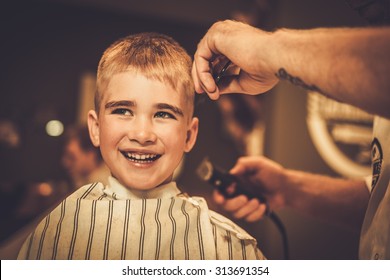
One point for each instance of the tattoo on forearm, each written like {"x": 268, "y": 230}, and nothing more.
{"x": 283, "y": 75}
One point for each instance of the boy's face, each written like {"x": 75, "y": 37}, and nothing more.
{"x": 143, "y": 129}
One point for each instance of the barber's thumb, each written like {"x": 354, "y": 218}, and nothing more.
{"x": 238, "y": 169}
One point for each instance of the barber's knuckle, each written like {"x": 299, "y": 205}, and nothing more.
{"x": 241, "y": 159}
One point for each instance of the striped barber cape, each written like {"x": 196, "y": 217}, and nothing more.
{"x": 111, "y": 222}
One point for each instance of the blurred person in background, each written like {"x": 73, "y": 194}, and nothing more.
{"x": 81, "y": 160}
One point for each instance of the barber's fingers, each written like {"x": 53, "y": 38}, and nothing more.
{"x": 236, "y": 80}
{"x": 245, "y": 165}
{"x": 252, "y": 165}
{"x": 204, "y": 83}
{"x": 231, "y": 82}
{"x": 198, "y": 87}
{"x": 231, "y": 204}
{"x": 257, "y": 214}
{"x": 247, "y": 209}
{"x": 242, "y": 208}
{"x": 202, "y": 72}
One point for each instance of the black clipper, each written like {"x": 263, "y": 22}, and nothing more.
{"x": 221, "y": 180}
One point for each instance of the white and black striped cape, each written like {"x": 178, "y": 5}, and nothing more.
{"x": 111, "y": 222}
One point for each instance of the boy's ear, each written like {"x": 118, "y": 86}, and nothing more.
{"x": 93, "y": 127}
{"x": 192, "y": 133}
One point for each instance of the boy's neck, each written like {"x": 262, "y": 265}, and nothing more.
{"x": 118, "y": 191}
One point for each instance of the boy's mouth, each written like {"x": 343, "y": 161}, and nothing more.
{"x": 140, "y": 157}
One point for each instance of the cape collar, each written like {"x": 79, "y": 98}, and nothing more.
{"x": 116, "y": 190}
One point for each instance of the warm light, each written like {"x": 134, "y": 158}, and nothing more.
{"x": 54, "y": 128}
{"x": 45, "y": 189}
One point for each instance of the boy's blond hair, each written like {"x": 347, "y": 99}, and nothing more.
{"x": 156, "y": 56}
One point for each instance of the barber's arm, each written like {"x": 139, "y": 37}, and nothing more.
{"x": 347, "y": 64}
{"x": 338, "y": 201}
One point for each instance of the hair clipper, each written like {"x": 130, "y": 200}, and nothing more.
{"x": 221, "y": 180}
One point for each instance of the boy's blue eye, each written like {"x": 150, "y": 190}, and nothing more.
{"x": 122, "y": 111}
{"x": 164, "y": 115}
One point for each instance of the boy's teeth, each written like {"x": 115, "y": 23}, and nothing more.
{"x": 133, "y": 156}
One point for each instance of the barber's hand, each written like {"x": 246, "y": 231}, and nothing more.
{"x": 264, "y": 178}
{"x": 243, "y": 45}
{"x": 241, "y": 207}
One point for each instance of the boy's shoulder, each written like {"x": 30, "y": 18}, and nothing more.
{"x": 224, "y": 223}
{"x": 227, "y": 224}
{"x": 90, "y": 191}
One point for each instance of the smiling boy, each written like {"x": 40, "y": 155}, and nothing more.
{"x": 143, "y": 128}
{"x": 143, "y": 123}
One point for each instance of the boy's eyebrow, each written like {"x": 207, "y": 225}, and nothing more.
{"x": 120, "y": 103}
{"x": 170, "y": 107}
{"x": 129, "y": 103}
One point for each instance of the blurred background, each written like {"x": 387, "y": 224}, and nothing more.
{"x": 50, "y": 50}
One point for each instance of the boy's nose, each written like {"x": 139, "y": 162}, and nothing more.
{"x": 141, "y": 131}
